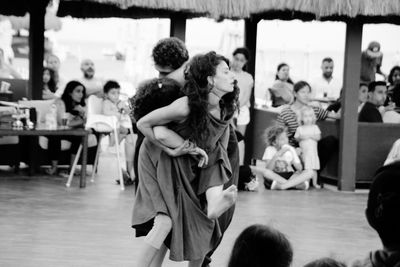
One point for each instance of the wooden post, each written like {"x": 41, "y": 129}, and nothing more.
{"x": 349, "y": 116}
{"x": 36, "y": 48}
{"x": 178, "y": 27}
{"x": 250, "y": 41}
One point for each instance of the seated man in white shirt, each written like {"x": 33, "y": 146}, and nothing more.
{"x": 93, "y": 85}
{"x": 326, "y": 85}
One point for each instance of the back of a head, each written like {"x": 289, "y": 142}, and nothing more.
{"x": 154, "y": 94}
{"x": 325, "y": 262}
{"x": 170, "y": 52}
{"x": 383, "y": 206}
{"x": 260, "y": 245}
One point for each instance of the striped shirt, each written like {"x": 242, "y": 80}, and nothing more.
{"x": 288, "y": 119}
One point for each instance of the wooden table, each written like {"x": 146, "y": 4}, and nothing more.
{"x": 6, "y": 130}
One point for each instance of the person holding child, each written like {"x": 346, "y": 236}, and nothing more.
{"x": 289, "y": 118}
{"x": 113, "y": 106}
{"x": 308, "y": 134}
{"x": 187, "y": 194}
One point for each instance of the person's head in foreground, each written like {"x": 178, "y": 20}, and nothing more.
{"x": 169, "y": 54}
{"x": 383, "y": 208}
{"x": 325, "y": 262}
{"x": 261, "y": 245}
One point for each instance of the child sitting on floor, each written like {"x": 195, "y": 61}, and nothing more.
{"x": 308, "y": 135}
{"x": 280, "y": 158}
{"x": 112, "y": 106}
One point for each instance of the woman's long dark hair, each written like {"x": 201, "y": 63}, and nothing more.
{"x": 197, "y": 89}
{"x": 52, "y": 82}
{"x": 66, "y": 97}
{"x": 390, "y": 77}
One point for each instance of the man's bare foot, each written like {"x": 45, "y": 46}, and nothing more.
{"x": 222, "y": 203}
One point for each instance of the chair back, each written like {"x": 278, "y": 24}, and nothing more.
{"x": 96, "y": 120}
{"x": 42, "y": 107}
{"x": 95, "y": 105}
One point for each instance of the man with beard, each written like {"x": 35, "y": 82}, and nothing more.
{"x": 93, "y": 85}
{"x": 326, "y": 85}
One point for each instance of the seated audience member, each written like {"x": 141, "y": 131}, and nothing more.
{"x": 282, "y": 73}
{"x": 53, "y": 62}
{"x": 383, "y": 209}
{"x": 6, "y": 71}
{"x": 326, "y": 85}
{"x": 394, "y": 86}
{"x": 325, "y": 262}
{"x": 282, "y": 164}
{"x": 376, "y": 98}
{"x": 261, "y": 245}
{"x": 49, "y": 84}
{"x": 72, "y": 102}
{"x": 362, "y": 98}
{"x": 394, "y": 77}
{"x": 281, "y": 93}
{"x": 113, "y": 106}
{"x": 93, "y": 85}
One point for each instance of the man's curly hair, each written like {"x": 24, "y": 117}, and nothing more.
{"x": 170, "y": 52}
{"x": 153, "y": 94}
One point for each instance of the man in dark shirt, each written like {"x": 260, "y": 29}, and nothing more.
{"x": 376, "y": 98}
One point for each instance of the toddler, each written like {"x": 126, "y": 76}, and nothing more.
{"x": 283, "y": 165}
{"x": 308, "y": 135}
{"x": 113, "y": 106}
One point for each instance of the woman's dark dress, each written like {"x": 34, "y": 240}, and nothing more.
{"x": 176, "y": 186}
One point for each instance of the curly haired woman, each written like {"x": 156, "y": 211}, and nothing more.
{"x": 183, "y": 199}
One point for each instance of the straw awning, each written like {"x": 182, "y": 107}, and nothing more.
{"x": 343, "y": 10}
{"x": 14, "y": 7}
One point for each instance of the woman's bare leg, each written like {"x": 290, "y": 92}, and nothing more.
{"x": 129, "y": 154}
{"x": 159, "y": 258}
{"x": 154, "y": 240}
{"x": 219, "y": 200}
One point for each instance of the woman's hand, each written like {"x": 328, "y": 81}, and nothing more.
{"x": 80, "y": 109}
{"x": 190, "y": 148}
{"x": 201, "y": 155}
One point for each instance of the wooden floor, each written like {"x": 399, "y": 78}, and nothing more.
{"x": 43, "y": 223}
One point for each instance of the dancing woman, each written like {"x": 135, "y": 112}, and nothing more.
{"x": 183, "y": 199}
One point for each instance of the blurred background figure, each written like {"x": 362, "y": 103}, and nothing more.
{"x": 371, "y": 62}
{"x": 93, "y": 85}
